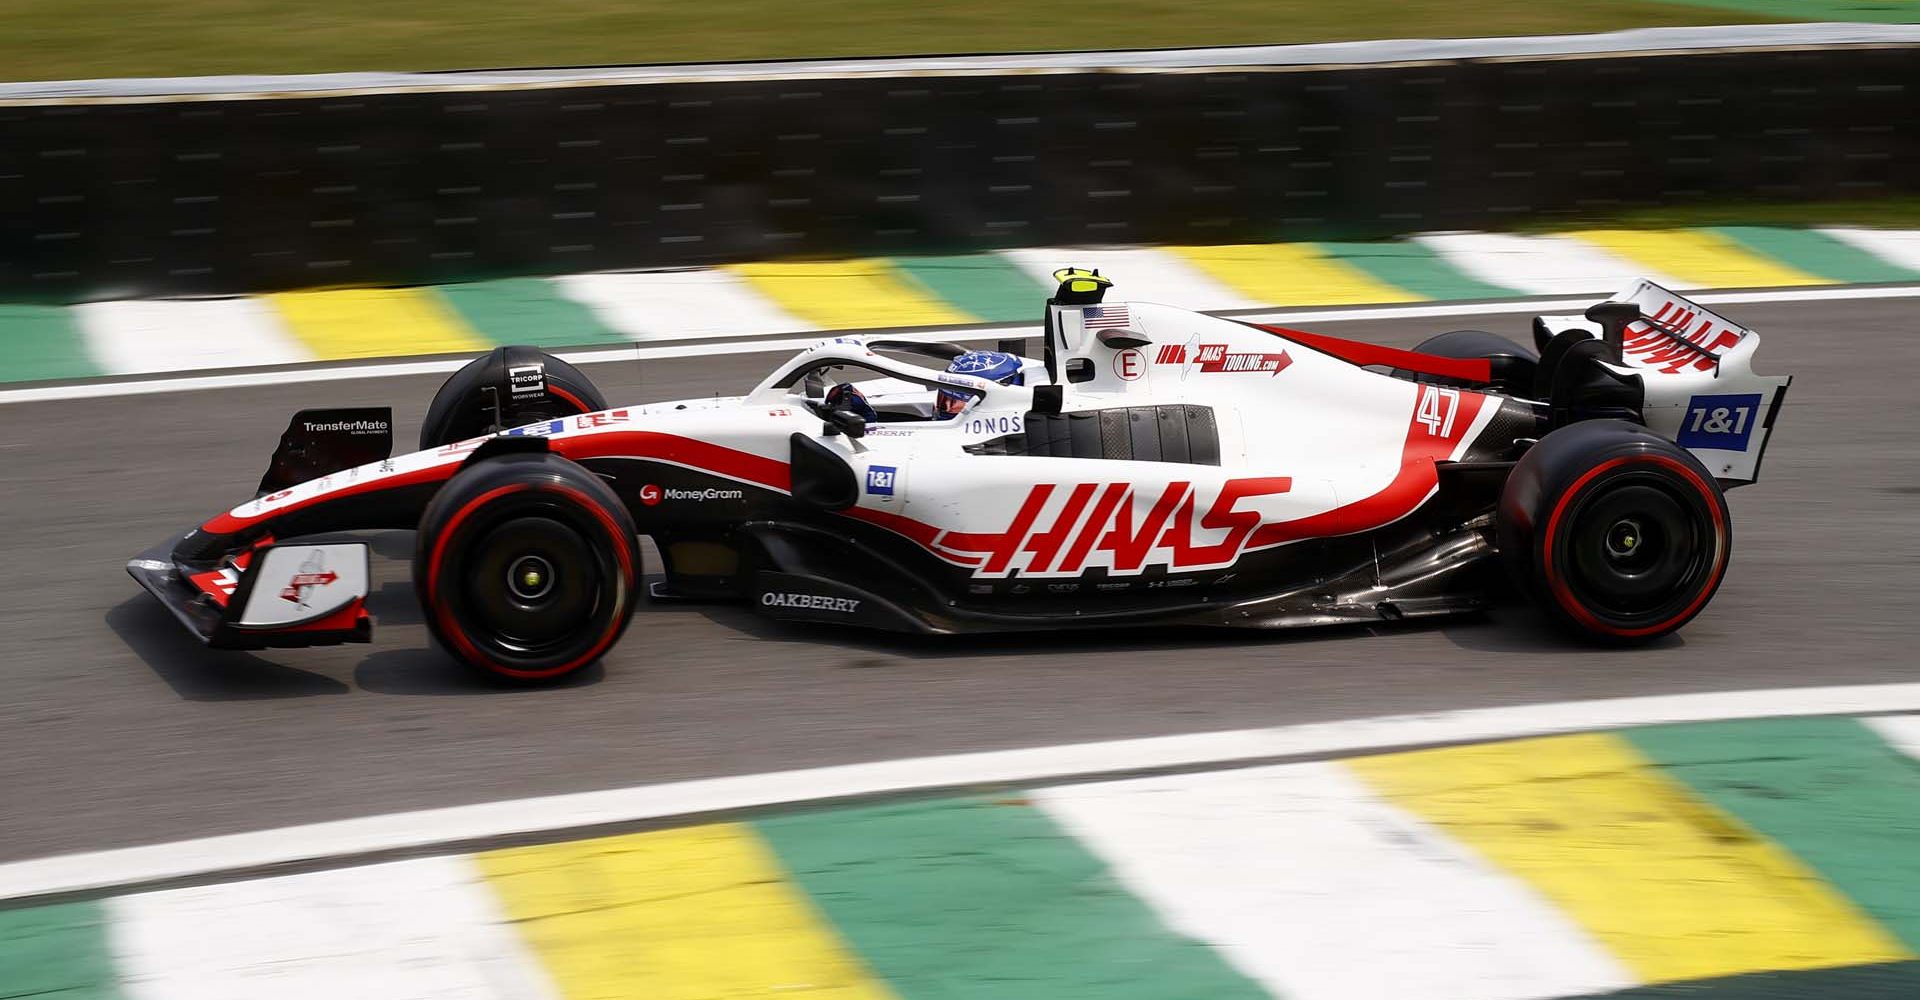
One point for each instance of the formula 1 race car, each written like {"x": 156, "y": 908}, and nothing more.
{"x": 1152, "y": 466}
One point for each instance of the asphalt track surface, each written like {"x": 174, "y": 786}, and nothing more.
{"x": 117, "y": 730}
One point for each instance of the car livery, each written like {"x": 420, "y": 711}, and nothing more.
{"x": 1153, "y": 465}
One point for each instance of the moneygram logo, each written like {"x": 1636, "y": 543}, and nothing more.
{"x": 652, "y": 494}
{"x": 702, "y": 496}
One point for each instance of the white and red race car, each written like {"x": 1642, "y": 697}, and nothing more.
{"x": 1153, "y": 466}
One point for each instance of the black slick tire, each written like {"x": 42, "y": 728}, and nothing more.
{"x": 464, "y": 408}
{"x": 1618, "y": 534}
{"x": 1513, "y": 364}
{"x": 527, "y": 567}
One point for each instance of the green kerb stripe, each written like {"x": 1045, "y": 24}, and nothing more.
{"x": 1414, "y": 268}
{"x": 986, "y": 285}
{"x": 1013, "y": 906}
{"x": 1891, "y": 981}
{"x": 43, "y": 342}
{"x": 526, "y": 311}
{"x": 57, "y": 952}
{"x": 1817, "y": 253}
{"x": 1828, "y": 790}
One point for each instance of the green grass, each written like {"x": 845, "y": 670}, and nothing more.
{"x": 68, "y": 39}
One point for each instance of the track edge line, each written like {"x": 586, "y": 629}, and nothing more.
{"x": 339, "y": 843}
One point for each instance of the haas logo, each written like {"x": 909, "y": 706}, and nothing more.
{"x": 1066, "y": 530}
{"x": 313, "y": 573}
{"x": 1697, "y": 347}
{"x": 1063, "y": 531}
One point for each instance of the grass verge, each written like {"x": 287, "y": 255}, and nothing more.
{"x": 73, "y": 39}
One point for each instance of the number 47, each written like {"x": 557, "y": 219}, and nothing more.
{"x": 1436, "y": 410}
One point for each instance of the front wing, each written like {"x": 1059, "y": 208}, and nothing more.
{"x": 273, "y": 595}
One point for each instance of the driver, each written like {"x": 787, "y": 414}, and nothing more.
{"x": 995, "y": 366}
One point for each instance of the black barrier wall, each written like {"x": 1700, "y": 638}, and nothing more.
{"x": 107, "y": 200}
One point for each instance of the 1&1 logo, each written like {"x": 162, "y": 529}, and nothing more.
{"x": 1722, "y": 422}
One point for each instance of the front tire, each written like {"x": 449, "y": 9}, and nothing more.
{"x": 1618, "y": 534}
{"x": 480, "y": 398}
{"x": 527, "y": 567}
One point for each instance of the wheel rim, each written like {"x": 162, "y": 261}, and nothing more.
{"x": 532, "y": 584}
{"x": 1639, "y": 547}
{"x": 530, "y": 578}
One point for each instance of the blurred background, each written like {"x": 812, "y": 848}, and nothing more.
{"x": 234, "y": 147}
{"x": 70, "y": 39}
{"x": 213, "y": 212}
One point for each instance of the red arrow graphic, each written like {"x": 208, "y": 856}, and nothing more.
{"x": 301, "y": 581}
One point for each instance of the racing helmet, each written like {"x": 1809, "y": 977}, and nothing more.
{"x": 995, "y": 366}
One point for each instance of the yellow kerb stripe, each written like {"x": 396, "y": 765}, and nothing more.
{"x": 1706, "y": 259}
{"x": 699, "y": 913}
{"x": 850, "y": 295}
{"x": 375, "y": 322}
{"x": 1675, "y": 888}
{"x": 1292, "y": 274}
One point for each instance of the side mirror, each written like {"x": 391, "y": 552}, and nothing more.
{"x": 1121, "y": 340}
{"x": 845, "y": 422}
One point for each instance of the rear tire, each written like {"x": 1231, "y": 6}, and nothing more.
{"x": 463, "y": 408}
{"x": 527, "y": 567}
{"x": 1620, "y": 535}
{"x": 1513, "y": 364}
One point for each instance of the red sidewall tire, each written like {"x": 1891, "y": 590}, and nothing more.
{"x": 1570, "y": 495}
{"x": 501, "y": 514}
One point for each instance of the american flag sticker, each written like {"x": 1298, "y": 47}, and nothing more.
{"x": 1105, "y": 317}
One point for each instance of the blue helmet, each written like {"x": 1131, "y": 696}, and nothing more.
{"x": 995, "y": 366}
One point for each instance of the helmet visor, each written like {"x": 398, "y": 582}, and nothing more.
{"x": 949, "y": 403}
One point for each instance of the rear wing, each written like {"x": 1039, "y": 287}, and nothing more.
{"x": 1695, "y": 370}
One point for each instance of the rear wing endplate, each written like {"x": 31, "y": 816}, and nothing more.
{"x": 1695, "y": 368}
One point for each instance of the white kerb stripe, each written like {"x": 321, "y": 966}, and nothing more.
{"x": 1313, "y": 885}
{"x": 185, "y": 334}
{"x": 398, "y": 931}
{"x": 550, "y": 813}
{"x": 656, "y": 305}
{"x": 1895, "y": 246}
{"x": 1138, "y": 276}
{"x": 1902, "y": 731}
{"x": 1541, "y": 265}
{"x": 695, "y": 348}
